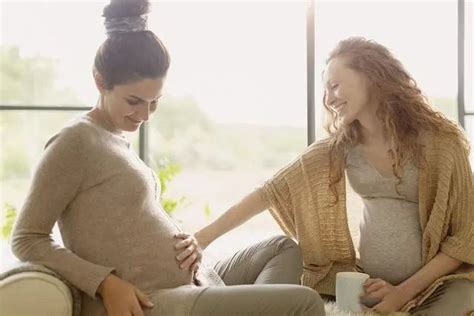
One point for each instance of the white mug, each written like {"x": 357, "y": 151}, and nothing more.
{"x": 349, "y": 289}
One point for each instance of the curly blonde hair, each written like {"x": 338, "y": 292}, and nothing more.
{"x": 403, "y": 108}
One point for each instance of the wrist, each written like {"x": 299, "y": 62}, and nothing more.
{"x": 407, "y": 291}
{"x": 202, "y": 239}
{"x": 102, "y": 285}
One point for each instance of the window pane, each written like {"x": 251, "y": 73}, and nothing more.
{"x": 51, "y": 62}
{"x": 236, "y": 105}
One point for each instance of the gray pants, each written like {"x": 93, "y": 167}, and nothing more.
{"x": 453, "y": 298}
{"x": 262, "y": 279}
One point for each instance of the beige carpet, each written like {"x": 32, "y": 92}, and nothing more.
{"x": 332, "y": 310}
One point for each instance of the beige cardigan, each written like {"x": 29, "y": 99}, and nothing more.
{"x": 299, "y": 199}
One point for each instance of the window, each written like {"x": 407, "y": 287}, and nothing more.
{"x": 235, "y": 103}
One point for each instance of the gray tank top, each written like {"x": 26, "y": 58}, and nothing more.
{"x": 390, "y": 232}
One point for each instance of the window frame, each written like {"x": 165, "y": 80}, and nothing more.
{"x": 462, "y": 113}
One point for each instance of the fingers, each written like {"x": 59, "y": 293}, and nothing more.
{"x": 186, "y": 252}
{"x": 182, "y": 235}
{"x": 135, "y": 308}
{"x": 374, "y": 287}
{"x": 189, "y": 258}
{"x": 371, "y": 281}
{"x": 143, "y": 299}
{"x": 185, "y": 243}
{"x": 189, "y": 261}
{"x": 137, "y": 311}
{"x": 379, "y": 294}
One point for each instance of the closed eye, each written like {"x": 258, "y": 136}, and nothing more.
{"x": 133, "y": 102}
{"x": 137, "y": 101}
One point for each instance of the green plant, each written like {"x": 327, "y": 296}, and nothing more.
{"x": 207, "y": 210}
{"x": 166, "y": 173}
{"x": 10, "y": 215}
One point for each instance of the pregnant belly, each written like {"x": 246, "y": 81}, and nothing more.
{"x": 140, "y": 248}
{"x": 146, "y": 257}
{"x": 393, "y": 264}
{"x": 390, "y": 245}
{"x": 154, "y": 264}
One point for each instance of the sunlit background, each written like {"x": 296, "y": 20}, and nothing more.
{"x": 234, "y": 109}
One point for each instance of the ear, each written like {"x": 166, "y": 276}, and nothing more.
{"x": 99, "y": 81}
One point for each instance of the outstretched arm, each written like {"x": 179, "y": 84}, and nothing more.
{"x": 236, "y": 215}
{"x": 251, "y": 205}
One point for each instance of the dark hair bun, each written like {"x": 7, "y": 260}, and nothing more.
{"x": 124, "y": 8}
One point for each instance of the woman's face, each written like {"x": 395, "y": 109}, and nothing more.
{"x": 346, "y": 92}
{"x": 129, "y": 105}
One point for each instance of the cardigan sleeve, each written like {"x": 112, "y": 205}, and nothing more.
{"x": 459, "y": 242}
{"x": 276, "y": 192}
{"x": 56, "y": 182}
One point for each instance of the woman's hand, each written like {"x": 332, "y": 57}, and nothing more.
{"x": 190, "y": 255}
{"x": 391, "y": 298}
{"x": 122, "y": 298}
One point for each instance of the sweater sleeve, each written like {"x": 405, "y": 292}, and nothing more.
{"x": 276, "y": 191}
{"x": 459, "y": 243}
{"x": 56, "y": 181}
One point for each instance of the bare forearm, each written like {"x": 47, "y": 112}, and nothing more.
{"x": 439, "y": 266}
{"x": 249, "y": 206}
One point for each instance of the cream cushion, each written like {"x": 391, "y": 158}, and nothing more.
{"x": 34, "y": 293}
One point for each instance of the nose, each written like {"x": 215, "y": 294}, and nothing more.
{"x": 145, "y": 112}
{"x": 330, "y": 97}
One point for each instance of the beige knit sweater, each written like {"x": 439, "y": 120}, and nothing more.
{"x": 300, "y": 198}
{"x": 105, "y": 201}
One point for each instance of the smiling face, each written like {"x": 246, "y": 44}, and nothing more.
{"x": 127, "y": 106}
{"x": 346, "y": 92}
